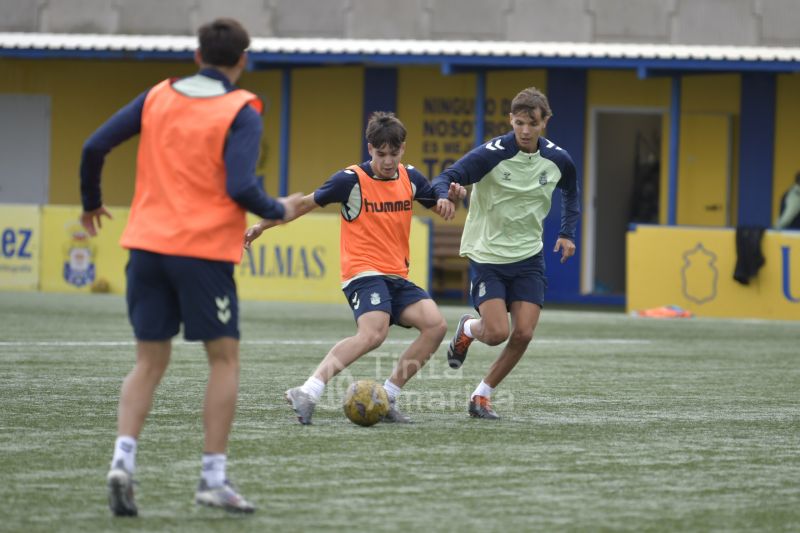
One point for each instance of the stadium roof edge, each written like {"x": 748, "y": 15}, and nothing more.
{"x": 266, "y": 52}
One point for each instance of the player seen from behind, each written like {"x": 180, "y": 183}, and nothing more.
{"x": 198, "y": 146}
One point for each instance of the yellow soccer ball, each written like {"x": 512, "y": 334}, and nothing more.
{"x": 366, "y": 402}
{"x": 100, "y": 285}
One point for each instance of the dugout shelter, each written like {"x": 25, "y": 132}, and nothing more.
{"x": 664, "y": 135}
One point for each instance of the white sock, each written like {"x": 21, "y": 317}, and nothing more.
{"x": 468, "y": 327}
{"x": 483, "y": 390}
{"x": 214, "y": 469}
{"x": 392, "y": 390}
{"x": 125, "y": 451}
{"x": 313, "y": 387}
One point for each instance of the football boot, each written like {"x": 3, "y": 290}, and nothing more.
{"x": 457, "y": 351}
{"x": 222, "y": 497}
{"x": 120, "y": 491}
{"x": 302, "y": 404}
{"x": 394, "y": 416}
{"x": 481, "y": 407}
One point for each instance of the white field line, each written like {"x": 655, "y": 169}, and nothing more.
{"x": 299, "y": 342}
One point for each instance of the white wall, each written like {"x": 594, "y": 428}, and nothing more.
{"x": 731, "y": 22}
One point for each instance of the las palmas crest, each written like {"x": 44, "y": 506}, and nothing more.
{"x": 78, "y": 261}
{"x": 699, "y": 274}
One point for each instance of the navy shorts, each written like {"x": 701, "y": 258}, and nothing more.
{"x": 382, "y": 293}
{"x": 167, "y": 290}
{"x": 523, "y": 281}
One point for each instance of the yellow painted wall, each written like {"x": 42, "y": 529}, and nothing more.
{"x": 619, "y": 89}
{"x": 501, "y": 87}
{"x": 85, "y": 93}
{"x": 614, "y": 88}
{"x": 693, "y": 268}
{"x": 716, "y": 94}
{"x": 438, "y": 112}
{"x": 712, "y": 93}
{"x": 787, "y": 137}
{"x": 327, "y": 129}
{"x": 704, "y": 165}
{"x": 298, "y": 262}
{"x": 267, "y": 85}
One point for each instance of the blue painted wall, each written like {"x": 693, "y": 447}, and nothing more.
{"x": 566, "y": 91}
{"x": 380, "y": 94}
{"x": 756, "y": 149}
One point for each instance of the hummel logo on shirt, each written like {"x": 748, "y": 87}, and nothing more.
{"x": 387, "y": 207}
{"x": 494, "y": 145}
{"x": 223, "y": 309}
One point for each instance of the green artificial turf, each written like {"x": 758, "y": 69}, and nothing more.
{"x": 610, "y": 423}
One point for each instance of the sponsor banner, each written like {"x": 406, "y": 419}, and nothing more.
{"x": 300, "y": 261}
{"x": 693, "y": 268}
{"x": 72, "y": 261}
{"x": 19, "y": 247}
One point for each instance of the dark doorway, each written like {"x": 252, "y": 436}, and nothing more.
{"x": 626, "y": 188}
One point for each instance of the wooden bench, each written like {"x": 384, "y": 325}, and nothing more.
{"x": 450, "y": 272}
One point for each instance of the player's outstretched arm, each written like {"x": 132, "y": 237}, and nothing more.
{"x": 446, "y": 207}
{"x": 94, "y": 217}
{"x": 566, "y": 247}
{"x": 295, "y": 205}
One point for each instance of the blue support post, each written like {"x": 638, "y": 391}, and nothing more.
{"x": 756, "y": 149}
{"x": 566, "y": 91}
{"x": 380, "y": 94}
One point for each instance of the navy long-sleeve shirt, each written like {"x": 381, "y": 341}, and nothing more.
{"x": 240, "y": 155}
{"x": 343, "y": 187}
{"x": 511, "y": 196}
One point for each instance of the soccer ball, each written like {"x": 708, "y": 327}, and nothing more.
{"x": 365, "y": 402}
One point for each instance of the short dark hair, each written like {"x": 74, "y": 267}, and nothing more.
{"x": 385, "y": 128}
{"x": 797, "y": 178}
{"x": 527, "y": 100}
{"x": 222, "y": 42}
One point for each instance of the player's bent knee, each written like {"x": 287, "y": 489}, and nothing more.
{"x": 439, "y": 330}
{"x": 494, "y": 337}
{"x": 521, "y": 337}
{"x": 226, "y": 363}
{"x": 150, "y": 373}
{"x": 373, "y": 339}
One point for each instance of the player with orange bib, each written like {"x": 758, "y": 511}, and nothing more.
{"x": 376, "y": 201}
{"x": 198, "y": 147}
